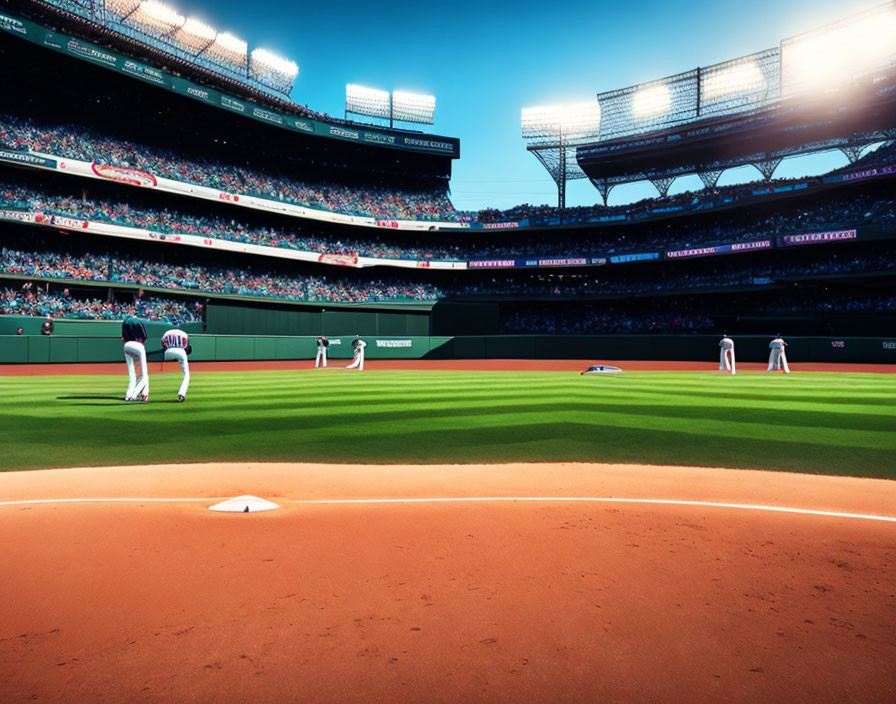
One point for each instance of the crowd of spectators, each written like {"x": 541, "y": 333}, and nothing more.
{"x": 243, "y": 282}
{"x": 825, "y": 211}
{"x": 79, "y": 142}
{"x": 168, "y": 221}
{"x": 116, "y": 268}
{"x": 711, "y": 274}
{"x": 675, "y": 316}
{"x": 382, "y": 202}
{"x": 30, "y": 300}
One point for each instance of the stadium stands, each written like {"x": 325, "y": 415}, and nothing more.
{"x": 79, "y": 142}
{"x": 60, "y": 304}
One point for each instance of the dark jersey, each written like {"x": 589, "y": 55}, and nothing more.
{"x": 132, "y": 330}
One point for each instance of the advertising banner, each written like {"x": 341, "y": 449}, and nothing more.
{"x": 132, "y": 177}
{"x": 719, "y": 249}
{"x": 817, "y": 237}
{"x": 26, "y": 158}
{"x": 640, "y": 257}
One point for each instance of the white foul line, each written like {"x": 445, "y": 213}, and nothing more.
{"x": 24, "y": 502}
{"x": 593, "y": 499}
{"x": 482, "y": 499}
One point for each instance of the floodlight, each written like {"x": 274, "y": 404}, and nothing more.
{"x": 828, "y": 58}
{"x": 361, "y": 100}
{"x": 277, "y": 64}
{"x": 736, "y": 79}
{"x": 556, "y": 123}
{"x": 413, "y": 107}
{"x": 157, "y": 17}
{"x": 122, "y": 8}
{"x": 199, "y": 30}
{"x": 230, "y": 50}
{"x": 227, "y": 42}
{"x": 651, "y": 101}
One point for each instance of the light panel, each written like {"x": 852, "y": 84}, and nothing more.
{"x": 737, "y": 79}
{"x": 230, "y": 50}
{"x": 156, "y": 17}
{"x": 651, "y": 101}
{"x": 122, "y": 8}
{"x": 413, "y": 107}
{"x": 829, "y": 58}
{"x": 361, "y": 100}
{"x": 277, "y": 64}
{"x": 553, "y": 123}
{"x": 194, "y": 28}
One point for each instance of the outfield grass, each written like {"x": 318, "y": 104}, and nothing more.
{"x": 807, "y": 422}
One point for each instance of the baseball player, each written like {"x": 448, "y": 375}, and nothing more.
{"x": 321, "y": 359}
{"x": 134, "y": 335}
{"x": 177, "y": 347}
{"x": 777, "y": 358}
{"x": 358, "y": 346}
{"x": 726, "y": 356}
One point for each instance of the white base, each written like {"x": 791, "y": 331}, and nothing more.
{"x": 244, "y": 504}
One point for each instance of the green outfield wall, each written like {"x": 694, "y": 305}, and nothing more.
{"x": 75, "y": 344}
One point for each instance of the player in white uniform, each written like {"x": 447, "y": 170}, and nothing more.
{"x": 777, "y": 358}
{"x": 358, "y": 345}
{"x": 726, "y": 356}
{"x": 177, "y": 346}
{"x": 321, "y": 359}
{"x": 134, "y": 335}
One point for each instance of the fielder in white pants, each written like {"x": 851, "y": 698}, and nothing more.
{"x": 138, "y": 389}
{"x": 777, "y": 358}
{"x": 321, "y": 359}
{"x": 134, "y": 335}
{"x": 177, "y": 346}
{"x": 726, "y": 357}
{"x": 358, "y": 344}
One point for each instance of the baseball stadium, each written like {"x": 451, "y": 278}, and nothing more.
{"x": 283, "y": 421}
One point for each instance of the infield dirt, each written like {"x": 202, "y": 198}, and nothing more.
{"x": 483, "y": 599}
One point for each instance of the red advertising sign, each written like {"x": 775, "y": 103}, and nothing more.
{"x": 133, "y": 177}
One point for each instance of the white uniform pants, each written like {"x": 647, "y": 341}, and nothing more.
{"x": 777, "y": 360}
{"x": 321, "y": 360}
{"x": 136, "y": 352}
{"x": 726, "y": 361}
{"x": 176, "y": 354}
{"x": 358, "y": 361}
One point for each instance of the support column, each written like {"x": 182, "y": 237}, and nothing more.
{"x": 603, "y": 187}
{"x": 767, "y": 166}
{"x": 662, "y": 184}
{"x": 710, "y": 178}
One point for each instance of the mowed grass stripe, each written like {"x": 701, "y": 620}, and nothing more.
{"x": 793, "y": 423}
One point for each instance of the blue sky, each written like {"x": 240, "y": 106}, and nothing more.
{"x": 484, "y": 61}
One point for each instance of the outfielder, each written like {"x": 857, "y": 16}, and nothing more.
{"x": 321, "y": 359}
{"x": 177, "y": 346}
{"x": 777, "y": 358}
{"x": 358, "y": 346}
{"x": 134, "y": 335}
{"x": 726, "y": 356}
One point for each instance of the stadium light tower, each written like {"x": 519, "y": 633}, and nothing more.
{"x": 552, "y": 131}
{"x": 829, "y": 58}
{"x": 399, "y": 105}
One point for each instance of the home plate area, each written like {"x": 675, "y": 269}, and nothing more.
{"x": 244, "y": 504}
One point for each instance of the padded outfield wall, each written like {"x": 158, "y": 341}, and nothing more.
{"x": 104, "y": 345}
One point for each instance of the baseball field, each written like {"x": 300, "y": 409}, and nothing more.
{"x": 477, "y": 534}
{"x": 822, "y": 423}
